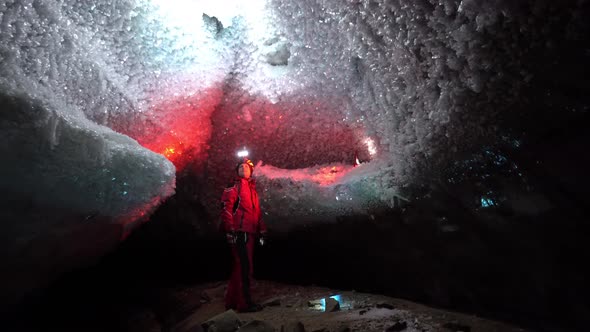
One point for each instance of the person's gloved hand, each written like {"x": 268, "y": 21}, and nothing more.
{"x": 231, "y": 237}
{"x": 262, "y": 239}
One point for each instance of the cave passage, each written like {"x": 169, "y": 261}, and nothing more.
{"x": 432, "y": 151}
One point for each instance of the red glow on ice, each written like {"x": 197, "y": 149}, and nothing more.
{"x": 324, "y": 176}
{"x": 172, "y": 147}
{"x": 169, "y": 152}
{"x": 327, "y": 175}
{"x": 178, "y": 127}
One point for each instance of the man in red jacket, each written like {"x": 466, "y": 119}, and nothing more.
{"x": 242, "y": 223}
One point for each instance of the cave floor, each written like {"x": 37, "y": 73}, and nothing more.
{"x": 287, "y": 304}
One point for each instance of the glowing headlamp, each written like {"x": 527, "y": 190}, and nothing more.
{"x": 243, "y": 153}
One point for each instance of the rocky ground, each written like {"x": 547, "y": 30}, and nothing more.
{"x": 298, "y": 308}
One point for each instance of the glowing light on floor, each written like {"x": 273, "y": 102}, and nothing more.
{"x": 487, "y": 202}
{"x": 320, "y": 305}
{"x": 335, "y": 297}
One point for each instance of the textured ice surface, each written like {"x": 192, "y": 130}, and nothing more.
{"x": 427, "y": 78}
{"x": 301, "y": 83}
{"x": 60, "y": 159}
{"x": 295, "y": 197}
{"x": 71, "y": 186}
{"x": 423, "y": 79}
{"x": 64, "y": 75}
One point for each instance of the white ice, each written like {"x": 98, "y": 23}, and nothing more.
{"x": 423, "y": 79}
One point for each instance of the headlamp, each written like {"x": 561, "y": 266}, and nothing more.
{"x": 243, "y": 153}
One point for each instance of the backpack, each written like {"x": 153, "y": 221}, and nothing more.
{"x": 224, "y": 197}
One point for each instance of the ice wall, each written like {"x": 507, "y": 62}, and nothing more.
{"x": 71, "y": 187}
{"x": 427, "y": 78}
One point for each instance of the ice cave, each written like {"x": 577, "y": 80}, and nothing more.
{"x": 421, "y": 160}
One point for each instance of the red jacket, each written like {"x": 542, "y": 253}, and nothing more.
{"x": 241, "y": 208}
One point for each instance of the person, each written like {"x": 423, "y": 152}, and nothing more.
{"x": 242, "y": 222}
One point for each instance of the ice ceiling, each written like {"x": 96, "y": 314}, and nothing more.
{"x": 101, "y": 100}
